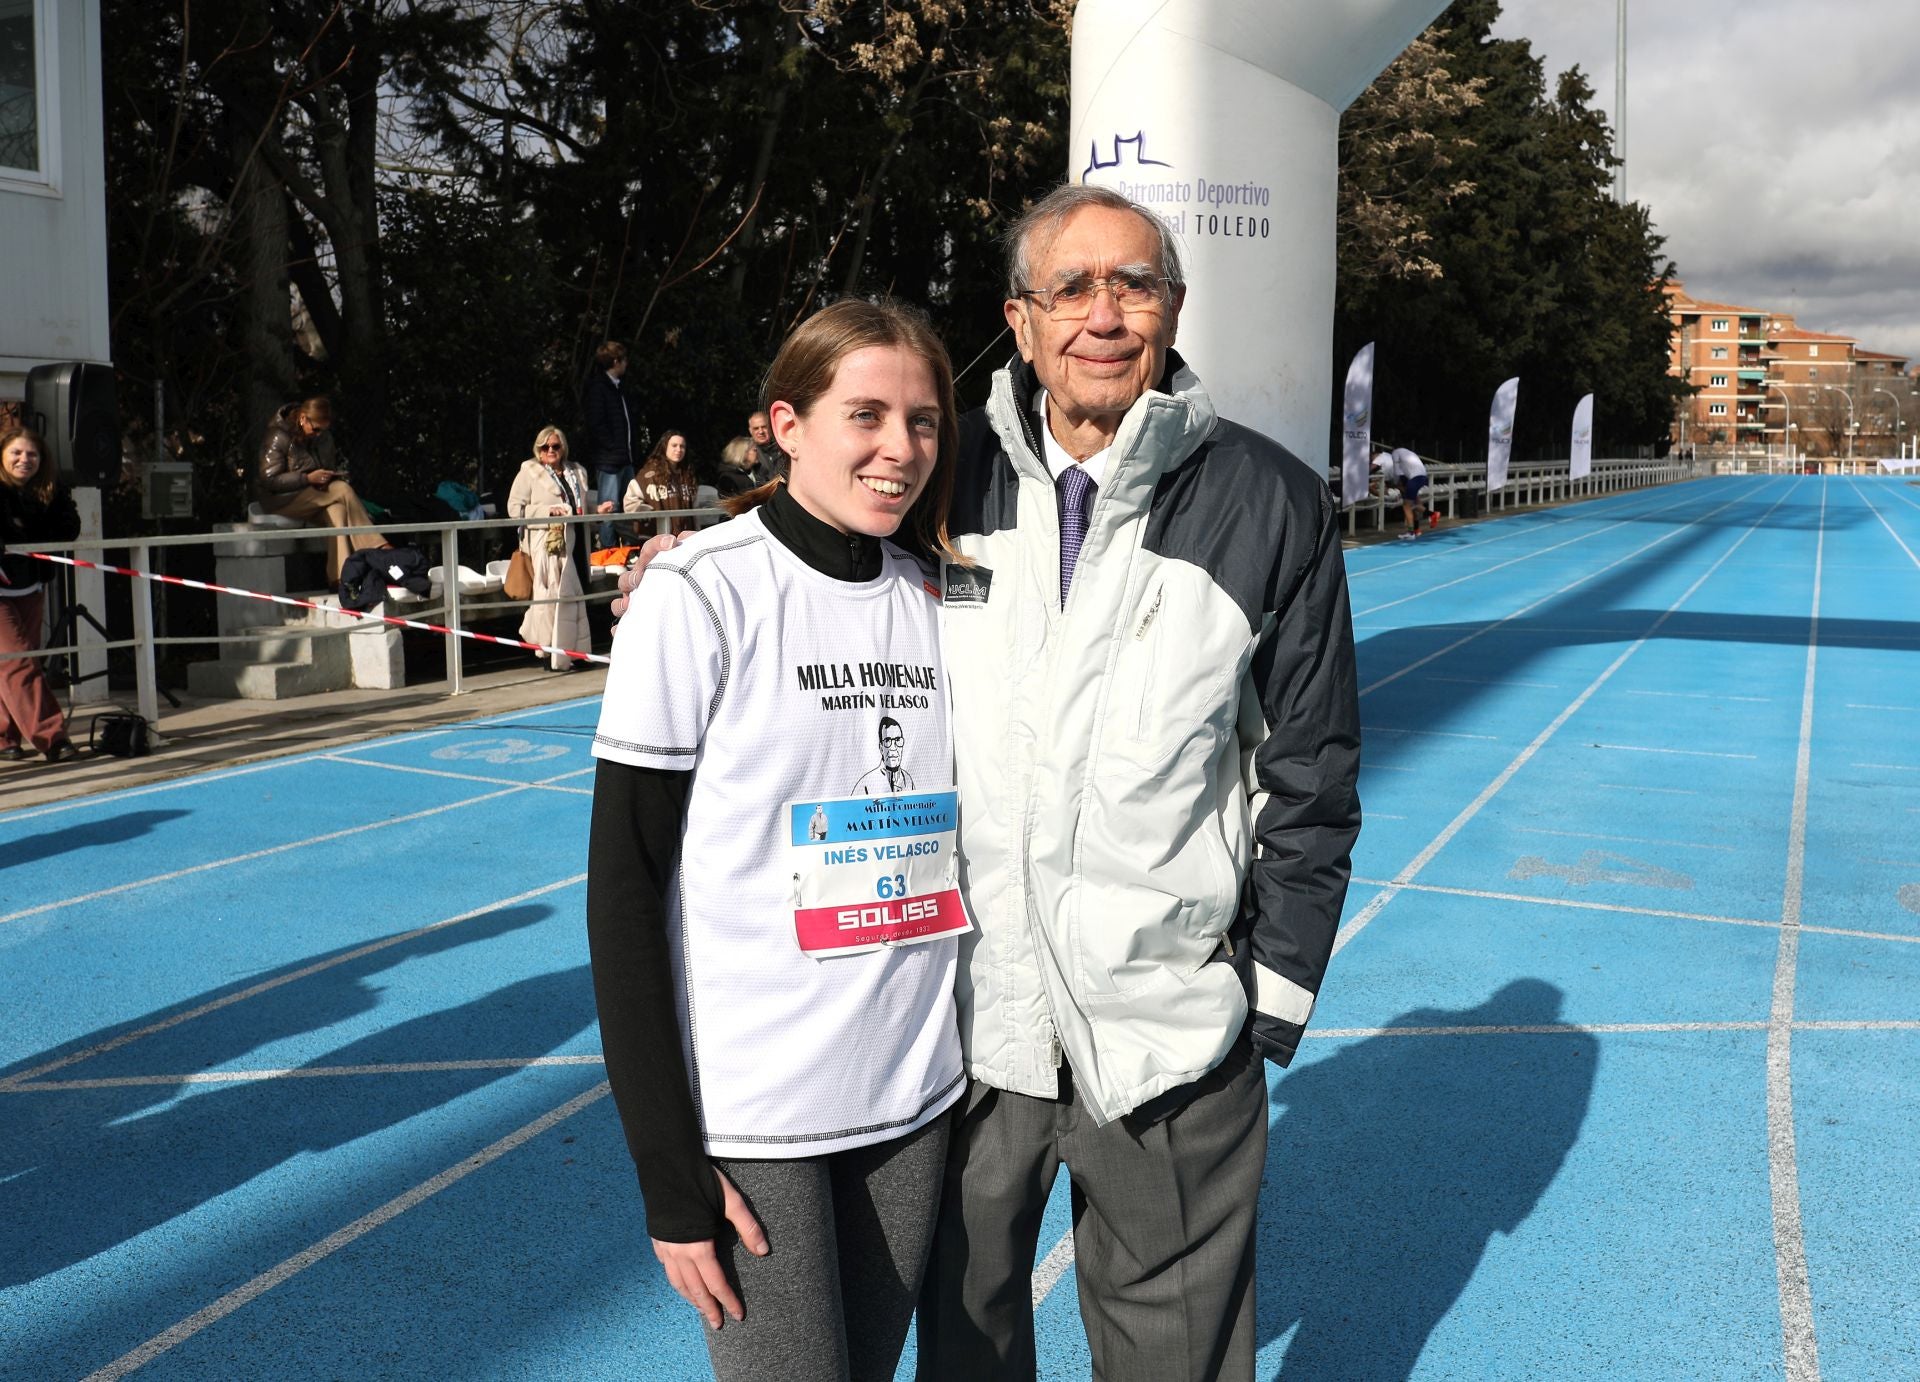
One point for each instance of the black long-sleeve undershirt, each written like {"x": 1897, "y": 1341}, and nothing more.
{"x": 633, "y": 851}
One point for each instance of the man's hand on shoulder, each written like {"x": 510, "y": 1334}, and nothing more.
{"x": 630, "y": 578}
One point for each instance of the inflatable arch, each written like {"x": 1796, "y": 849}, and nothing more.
{"x": 1223, "y": 116}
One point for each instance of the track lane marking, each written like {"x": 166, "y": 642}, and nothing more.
{"x": 1620, "y": 908}
{"x": 1514, "y": 561}
{"x": 1619, "y": 839}
{"x": 290, "y": 760}
{"x": 1684, "y": 753}
{"x": 550, "y": 784}
{"x": 300, "y": 1072}
{"x": 233, "y": 1300}
{"x": 271, "y": 850}
{"x": 1799, "y": 1345}
{"x": 268, "y": 985}
{"x": 1344, "y": 936}
{"x": 1575, "y": 584}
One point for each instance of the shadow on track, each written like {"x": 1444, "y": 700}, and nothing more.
{"x": 114, "y": 830}
{"x": 1397, "y": 1161}
{"x": 84, "y": 1170}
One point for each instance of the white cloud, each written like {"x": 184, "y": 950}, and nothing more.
{"x": 1776, "y": 145}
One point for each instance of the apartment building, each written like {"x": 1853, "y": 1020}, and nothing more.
{"x": 1764, "y": 382}
{"x": 1718, "y": 348}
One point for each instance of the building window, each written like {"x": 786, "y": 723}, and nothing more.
{"x": 1813, "y": 373}
{"x": 1813, "y": 352}
{"x": 1719, "y": 323}
{"x": 1716, "y": 410}
{"x": 1719, "y": 352}
{"x": 23, "y": 45}
{"x": 1719, "y": 381}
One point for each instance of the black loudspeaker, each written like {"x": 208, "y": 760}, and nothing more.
{"x": 72, "y": 406}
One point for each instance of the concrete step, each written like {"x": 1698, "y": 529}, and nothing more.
{"x": 277, "y": 668}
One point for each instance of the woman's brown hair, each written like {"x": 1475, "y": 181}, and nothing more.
{"x": 41, "y": 486}
{"x": 803, "y": 371}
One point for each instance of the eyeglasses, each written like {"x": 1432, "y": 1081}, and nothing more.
{"x": 548, "y": 446}
{"x": 1133, "y": 290}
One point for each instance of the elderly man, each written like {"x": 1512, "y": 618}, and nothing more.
{"x": 1157, "y": 731}
{"x": 769, "y": 461}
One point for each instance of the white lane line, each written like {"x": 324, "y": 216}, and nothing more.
{"x": 300, "y": 1072}
{"x": 1684, "y": 753}
{"x": 1620, "y": 839}
{"x": 266, "y": 986}
{"x": 291, "y": 760}
{"x": 1052, "y": 1267}
{"x": 1890, "y": 767}
{"x": 1704, "y": 696}
{"x": 1875, "y": 510}
{"x": 1799, "y": 1345}
{"x": 271, "y": 850}
{"x": 1604, "y": 1029}
{"x": 1385, "y": 768}
{"x": 547, "y": 784}
{"x": 1473, "y": 808}
{"x": 1580, "y": 905}
{"x": 1637, "y": 787}
{"x": 1383, "y": 816}
{"x": 1498, "y": 681}
{"x": 1502, "y": 622}
{"x": 1897, "y": 709}
{"x": 1513, "y": 561}
{"x": 170, "y": 1338}
{"x": 1539, "y": 1029}
{"x": 1429, "y": 733}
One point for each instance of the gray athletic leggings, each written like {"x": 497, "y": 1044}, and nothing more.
{"x": 849, "y": 1234}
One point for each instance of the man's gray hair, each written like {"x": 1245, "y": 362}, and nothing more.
{"x": 1045, "y": 218}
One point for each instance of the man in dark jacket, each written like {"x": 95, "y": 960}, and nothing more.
{"x": 302, "y": 475}
{"x": 769, "y": 461}
{"x": 607, "y": 410}
{"x": 1156, "y": 723}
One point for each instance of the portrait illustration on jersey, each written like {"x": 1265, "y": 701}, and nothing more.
{"x": 817, "y": 824}
{"x": 891, "y": 778}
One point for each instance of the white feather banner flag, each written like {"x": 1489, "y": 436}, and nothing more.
{"x": 1582, "y": 452}
{"x": 1356, "y": 427}
{"x": 1500, "y": 433}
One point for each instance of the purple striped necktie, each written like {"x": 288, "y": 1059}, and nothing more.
{"x": 1076, "y": 490}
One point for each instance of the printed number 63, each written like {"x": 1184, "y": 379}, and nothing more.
{"x": 895, "y": 886}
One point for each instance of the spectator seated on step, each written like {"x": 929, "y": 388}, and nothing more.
{"x": 302, "y": 475}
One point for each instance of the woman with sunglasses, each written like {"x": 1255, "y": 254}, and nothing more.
{"x": 551, "y": 486}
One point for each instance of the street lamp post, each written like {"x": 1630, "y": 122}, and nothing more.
{"x": 1786, "y": 428}
{"x": 1898, "y": 421}
{"x": 1848, "y": 395}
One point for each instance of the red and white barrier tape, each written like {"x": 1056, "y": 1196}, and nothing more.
{"x": 397, "y": 622}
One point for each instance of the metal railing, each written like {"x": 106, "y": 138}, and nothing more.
{"x": 1528, "y": 484}
{"x": 451, "y": 608}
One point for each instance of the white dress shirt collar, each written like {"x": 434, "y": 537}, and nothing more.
{"x": 1055, "y": 455}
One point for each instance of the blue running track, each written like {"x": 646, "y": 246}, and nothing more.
{"x": 1616, "y": 1073}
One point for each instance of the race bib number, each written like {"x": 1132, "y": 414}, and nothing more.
{"x": 874, "y": 871}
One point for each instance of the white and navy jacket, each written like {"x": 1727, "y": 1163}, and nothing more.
{"x": 1157, "y": 782}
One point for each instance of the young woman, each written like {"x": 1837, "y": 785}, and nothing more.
{"x": 665, "y": 481}
{"x": 34, "y": 507}
{"x": 774, "y": 947}
{"x": 551, "y": 486}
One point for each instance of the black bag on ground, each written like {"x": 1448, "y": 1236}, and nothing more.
{"x": 367, "y": 574}
{"x": 120, "y": 733}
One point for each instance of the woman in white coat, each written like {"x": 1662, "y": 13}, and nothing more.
{"x": 551, "y": 486}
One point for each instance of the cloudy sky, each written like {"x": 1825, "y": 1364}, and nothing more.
{"x": 1775, "y": 142}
